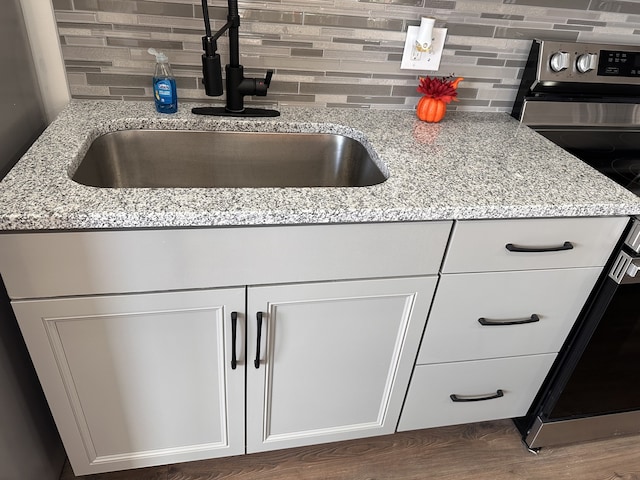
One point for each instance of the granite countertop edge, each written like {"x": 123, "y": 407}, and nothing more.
{"x": 469, "y": 166}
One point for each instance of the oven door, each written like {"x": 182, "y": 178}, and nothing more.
{"x": 594, "y": 391}
{"x": 614, "y": 152}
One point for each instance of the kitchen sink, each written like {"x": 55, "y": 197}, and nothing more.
{"x": 185, "y": 158}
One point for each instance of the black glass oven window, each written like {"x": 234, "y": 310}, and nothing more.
{"x": 607, "y": 376}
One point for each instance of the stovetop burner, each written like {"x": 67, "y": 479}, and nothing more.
{"x": 623, "y": 168}
{"x": 614, "y": 153}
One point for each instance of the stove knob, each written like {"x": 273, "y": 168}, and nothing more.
{"x": 559, "y": 61}
{"x": 586, "y": 62}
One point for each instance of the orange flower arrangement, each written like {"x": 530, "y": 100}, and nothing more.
{"x": 437, "y": 93}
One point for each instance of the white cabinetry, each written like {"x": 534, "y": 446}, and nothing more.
{"x": 137, "y": 379}
{"x": 132, "y": 332}
{"x": 335, "y": 359}
{"x": 509, "y": 294}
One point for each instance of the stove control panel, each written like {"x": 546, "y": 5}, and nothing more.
{"x": 619, "y": 63}
{"x": 588, "y": 63}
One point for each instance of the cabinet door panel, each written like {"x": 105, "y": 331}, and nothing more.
{"x": 139, "y": 380}
{"x": 454, "y": 332}
{"x": 336, "y": 359}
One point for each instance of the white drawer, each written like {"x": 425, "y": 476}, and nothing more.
{"x": 454, "y": 331}
{"x": 481, "y": 245}
{"x": 108, "y": 261}
{"x": 429, "y": 403}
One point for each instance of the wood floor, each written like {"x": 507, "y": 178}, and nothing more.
{"x": 490, "y": 450}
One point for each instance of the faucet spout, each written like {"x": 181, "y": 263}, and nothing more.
{"x": 237, "y": 85}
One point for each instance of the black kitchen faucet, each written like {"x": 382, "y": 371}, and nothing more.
{"x": 237, "y": 85}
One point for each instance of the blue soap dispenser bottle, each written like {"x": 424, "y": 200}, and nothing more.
{"x": 164, "y": 84}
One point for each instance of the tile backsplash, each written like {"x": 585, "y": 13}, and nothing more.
{"x": 327, "y": 52}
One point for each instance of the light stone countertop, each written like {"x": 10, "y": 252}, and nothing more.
{"x": 469, "y": 166}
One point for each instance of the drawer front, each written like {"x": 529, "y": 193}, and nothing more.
{"x": 429, "y": 403}
{"x": 456, "y": 332}
{"x": 99, "y": 262}
{"x": 481, "y": 245}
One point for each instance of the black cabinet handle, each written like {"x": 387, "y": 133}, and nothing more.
{"x": 515, "y": 248}
{"x": 256, "y": 362}
{"x": 521, "y": 321}
{"x": 467, "y": 398}
{"x": 234, "y": 327}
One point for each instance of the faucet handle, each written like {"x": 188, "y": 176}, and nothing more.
{"x": 260, "y": 86}
{"x": 267, "y": 79}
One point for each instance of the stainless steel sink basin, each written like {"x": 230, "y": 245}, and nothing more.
{"x": 182, "y": 158}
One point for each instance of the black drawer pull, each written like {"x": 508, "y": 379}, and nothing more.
{"x": 475, "y": 398}
{"x": 515, "y": 248}
{"x": 490, "y": 323}
{"x": 256, "y": 362}
{"x": 234, "y": 328}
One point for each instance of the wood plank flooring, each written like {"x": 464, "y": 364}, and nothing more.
{"x": 489, "y": 450}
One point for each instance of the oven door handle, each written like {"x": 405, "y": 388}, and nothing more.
{"x": 558, "y": 248}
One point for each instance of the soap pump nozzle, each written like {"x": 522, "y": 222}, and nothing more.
{"x": 160, "y": 56}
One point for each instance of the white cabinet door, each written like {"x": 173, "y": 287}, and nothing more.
{"x": 335, "y": 359}
{"x": 138, "y": 380}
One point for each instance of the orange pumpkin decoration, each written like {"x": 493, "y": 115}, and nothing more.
{"x": 437, "y": 94}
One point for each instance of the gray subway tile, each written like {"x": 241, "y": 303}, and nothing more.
{"x": 380, "y": 48}
{"x": 125, "y": 80}
{"x": 576, "y": 28}
{"x": 405, "y": 91}
{"x": 615, "y": 6}
{"x": 293, "y": 98}
{"x": 566, "y": 4}
{"x": 71, "y": 69}
{"x": 62, "y": 5}
{"x": 91, "y": 97}
{"x": 476, "y": 54}
{"x": 355, "y": 41}
{"x": 408, "y": 3}
{"x": 531, "y": 33}
{"x": 136, "y": 6}
{"x": 306, "y": 52}
{"x": 502, "y": 16}
{"x": 580, "y": 21}
{"x": 286, "y": 43}
{"x": 141, "y": 28}
{"x": 350, "y": 21}
{"x": 494, "y": 62}
{"x": 501, "y": 103}
{"x": 440, "y": 4}
{"x": 349, "y": 74}
{"x": 88, "y": 63}
{"x": 366, "y": 34}
{"x": 126, "y": 91}
{"x": 272, "y": 16}
{"x": 143, "y": 43}
{"x": 373, "y": 100}
{"x": 85, "y": 26}
{"x": 470, "y": 30}
{"x": 344, "y": 89}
